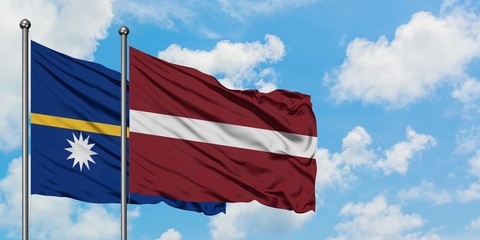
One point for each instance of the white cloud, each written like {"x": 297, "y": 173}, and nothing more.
{"x": 235, "y": 71}
{"x": 268, "y": 79}
{"x": 448, "y": 5}
{"x": 470, "y": 194}
{"x": 378, "y": 220}
{"x": 243, "y": 9}
{"x": 11, "y": 196}
{"x": 53, "y": 217}
{"x": 398, "y": 157}
{"x": 73, "y": 27}
{"x": 468, "y": 94}
{"x": 134, "y": 213}
{"x": 411, "y": 66}
{"x": 425, "y": 191}
{"x": 170, "y": 234}
{"x": 92, "y": 222}
{"x": 420, "y": 236}
{"x": 473, "y": 226}
{"x": 252, "y": 218}
{"x": 337, "y": 168}
{"x": 70, "y": 26}
{"x": 355, "y": 150}
{"x": 468, "y": 140}
{"x": 334, "y": 171}
{"x": 474, "y": 163}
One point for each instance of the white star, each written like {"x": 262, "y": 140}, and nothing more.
{"x": 80, "y": 150}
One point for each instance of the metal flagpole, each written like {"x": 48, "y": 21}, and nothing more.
{"x": 123, "y": 31}
{"x": 25, "y": 25}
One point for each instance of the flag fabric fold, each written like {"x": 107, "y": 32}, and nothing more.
{"x": 194, "y": 140}
{"x": 75, "y": 132}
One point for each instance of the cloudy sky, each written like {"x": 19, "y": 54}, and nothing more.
{"x": 395, "y": 88}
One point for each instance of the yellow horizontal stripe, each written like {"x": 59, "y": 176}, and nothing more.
{"x": 74, "y": 124}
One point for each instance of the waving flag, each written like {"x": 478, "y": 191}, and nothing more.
{"x": 76, "y": 134}
{"x": 194, "y": 140}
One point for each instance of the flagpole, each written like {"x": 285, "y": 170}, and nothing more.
{"x": 25, "y": 26}
{"x": 123, "y": 31}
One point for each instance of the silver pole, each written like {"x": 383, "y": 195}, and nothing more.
{"x": 123, "y": 31}
{"x": 25, "y": 25}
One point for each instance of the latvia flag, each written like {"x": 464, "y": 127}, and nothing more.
{"x": 192, "y": 139}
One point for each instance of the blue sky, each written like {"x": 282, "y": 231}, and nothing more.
{"x": 395, "y": 89}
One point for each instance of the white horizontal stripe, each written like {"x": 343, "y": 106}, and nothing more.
{"x": 222, "y": 134}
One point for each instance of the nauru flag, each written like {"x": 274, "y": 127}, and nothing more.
{"x": 194, "y": 140}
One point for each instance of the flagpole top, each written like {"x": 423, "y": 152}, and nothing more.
{"x": 123, "y": 30}
{"x": 25, "y": 24}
